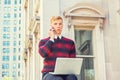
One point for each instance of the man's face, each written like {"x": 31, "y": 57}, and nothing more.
{"x": 57, "y": 25}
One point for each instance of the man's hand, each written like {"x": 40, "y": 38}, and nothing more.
{"x": 51, "y": 33}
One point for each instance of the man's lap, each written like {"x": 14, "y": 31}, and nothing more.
{"x": 47, "y": 76}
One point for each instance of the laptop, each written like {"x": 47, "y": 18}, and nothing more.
{"x": 65, "y": 66}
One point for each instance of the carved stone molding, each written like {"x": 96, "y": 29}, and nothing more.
{"x": 84, "y": 14}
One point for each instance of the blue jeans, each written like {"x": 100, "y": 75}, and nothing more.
{"x": 47, "y": 76}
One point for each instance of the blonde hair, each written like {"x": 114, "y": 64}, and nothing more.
{"x": 54, "y": 18}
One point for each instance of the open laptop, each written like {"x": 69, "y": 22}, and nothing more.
{"x": 67, "y": 66}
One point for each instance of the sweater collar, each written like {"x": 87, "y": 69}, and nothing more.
{"x": 60, "y": 36}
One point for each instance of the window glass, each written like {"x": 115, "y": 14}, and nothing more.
{"x": 6, "y": 50}
{"x": 19, "y": 8}
{"x": 14, "y": 66}
{"x": 19, "y": 15}
{"x": 20, "y": 2}
{"x": 19, "y": 73}
{"x": 6, "y": 15}
{"x": 19, "y": 21}
{"x": 6, "y": 29}
{"x": 6, "y": 9}
{"x": 83, "y": 42}
{"x": 6, "y": 43}
{"x": 5, "y": 66}
{"x": 6, "y": 22}
{"x": 5, "y": 73}
{"x": 15, "y": 29}
{"x": 19, "y": 28}
{"x": 14, "y": 74}
{"x": 19, "y": 49}
{"x": 19, "y": 66}
{"x": 19, "y": 58}
{"x": 14, "y": 43}
{"x": 5, "y": 58}
{"x": 15, "y": 8}
{"x": 6, "y": 36}
{"x": 14, "y": 58}
{"x": 19, "y": 42}
{"x": 15, "y": 15}
{"x": 19, "y": 35}
{"x": 15, "y": 2}
{"x": 7, "y": 2}
{"x": 15, "y": 22}
{"x": 14, "y": 50}
{"x": 15, "y": 36}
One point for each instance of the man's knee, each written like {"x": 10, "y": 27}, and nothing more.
{"x": 51, "y": 77}
{"x": 71, "y": 77}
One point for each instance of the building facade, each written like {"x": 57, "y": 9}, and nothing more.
{"x": 11, "y": 39}
{"x": 32, "y": 35}
{"x": 92, "y": 24}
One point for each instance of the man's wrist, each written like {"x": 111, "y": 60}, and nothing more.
{"x": 51, "y": 39}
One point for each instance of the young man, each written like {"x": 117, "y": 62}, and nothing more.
{"x": 55, "y": 46}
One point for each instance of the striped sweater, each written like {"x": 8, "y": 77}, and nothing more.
{"x": 50, "y": 50}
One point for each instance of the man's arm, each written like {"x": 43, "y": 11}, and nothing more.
{"x": 45, "y": 48}
{"x": 73, "y": 51}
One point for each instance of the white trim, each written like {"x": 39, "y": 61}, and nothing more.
{"x": 85, "y": 15}
{"x": 99, "y": 53}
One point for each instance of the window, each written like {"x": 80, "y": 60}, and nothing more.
{"x": 19, "y": 15}
{"x": 6, "y": 43}
{"x": 5, "y": 66}
{"x": 19, "y": 21}
{"x": 14, "y": 74}
{"x": 87, "y": 29}
{"x": 6, "y": 29}
{"x": 15, "y": 15}
{"x": 5, "y": 73}
{"x": 7, "y": 2}
{"x": 15, "y": 22}
{"x": 18, "y": 73}
{"x": 14, "y": 58}
{"x": 20, "y": 2}
{"x": 15, "y": 36}
{"x": 83, "y": 40}
{"x": 19, "y": 28}
{"x": 19, "y": 43}
{"x": 19, "y": 49}
{"x": 15, "y": 29}
{"x": 5, "y": 58}
{"x": 19, "y": 58}
{"x": 6, "y": 15}
{"x": 15, "y": 2}
{"x": 7, "y": 9}
{"x": 18, "y": 65}
{"x": 14, "y": 43}
{"x": 14, "y": 66}
{"x": 19, "y": 35}
{"x": 19, "y": 8}
{"x": 6, "y": 50}
{"x": 14, "y": 50}
{"x": 6, "y": 22}
{"x": 6, "y": 36}
{"x": 15, "y": 8}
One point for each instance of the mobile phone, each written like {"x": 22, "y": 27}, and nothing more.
{"x": 52, "y": 29}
